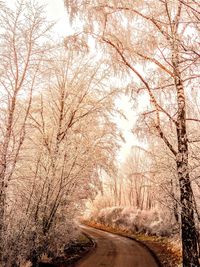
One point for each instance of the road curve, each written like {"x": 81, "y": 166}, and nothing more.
{"x": 115, "y": 251}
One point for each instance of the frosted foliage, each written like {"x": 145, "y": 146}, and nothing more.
{"x": 32, "y": 238}
{"x": 70, "y": 140}
{"x": 156, "y": 43}
{"x": 153, "y": 222}
{"x": 58, "y": 135}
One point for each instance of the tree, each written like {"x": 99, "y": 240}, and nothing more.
{"x": 70, "y": 138}
{"x": 155, "y": 35}
{"x": 22, "y": 33}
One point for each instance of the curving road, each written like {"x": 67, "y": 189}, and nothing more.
{"x": 116, "y": 251}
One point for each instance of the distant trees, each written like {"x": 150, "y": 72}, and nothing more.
{"x": 138, "y": 179}
{"x": 133, "y": 184}
{"x": 161, "y": 36}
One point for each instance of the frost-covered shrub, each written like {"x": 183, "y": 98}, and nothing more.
{"x": 151, "y": 222}
{"x": 63, "y": 233}
{"x": 109, "y": 215}
{"x": 25, "y": 240}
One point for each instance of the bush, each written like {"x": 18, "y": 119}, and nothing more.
{"x": 150, "y": 222}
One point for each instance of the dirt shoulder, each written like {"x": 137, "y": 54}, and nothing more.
{"x": 167, "y": 254}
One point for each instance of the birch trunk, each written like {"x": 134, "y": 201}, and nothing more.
{"x": 188, "y": 229}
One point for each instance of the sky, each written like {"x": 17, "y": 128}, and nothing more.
{"x": 55, "y": 11}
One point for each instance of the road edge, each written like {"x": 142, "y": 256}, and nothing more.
{"x": 141, "y": 243}
{"x": 87, "y": 253}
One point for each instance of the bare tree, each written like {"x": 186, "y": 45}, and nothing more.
{"x": 70, "y": 137}
{"x": 22, "y": 31}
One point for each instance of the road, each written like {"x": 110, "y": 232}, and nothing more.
{"x": 116, "y": 251}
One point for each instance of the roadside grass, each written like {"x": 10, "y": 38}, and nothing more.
{"x": 165, "y": 249}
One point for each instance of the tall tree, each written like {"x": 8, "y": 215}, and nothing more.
{"x": 70, "y": 138}
{"x": 22, "y": 32}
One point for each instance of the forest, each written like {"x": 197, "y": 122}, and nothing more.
{"x": 64, "y": 106}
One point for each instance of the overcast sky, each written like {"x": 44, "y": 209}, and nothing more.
{"x": 56, "y": 11}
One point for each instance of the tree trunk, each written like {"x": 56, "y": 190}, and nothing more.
{"x": 2, "y": 206}
{"x": 2, "y": 212}
{"x": 175, "y": 203}
{"x": 3, "y": 182}
{"x": 189, "y": 237}
{"x": 188, "y": 229}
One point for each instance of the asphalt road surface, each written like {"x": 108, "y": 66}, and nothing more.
{"x": 116, "y": 251}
